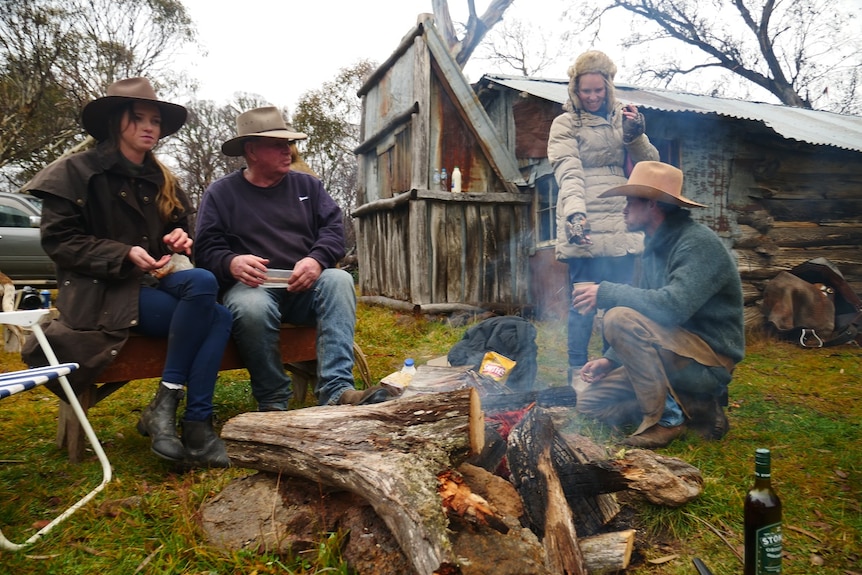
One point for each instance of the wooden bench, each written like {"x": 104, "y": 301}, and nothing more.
{"x": 144, "y": 357}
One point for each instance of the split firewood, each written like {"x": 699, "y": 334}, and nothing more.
{"x": 459, "y": 499}
{"x": 608, "y": 552}
{"x": 661, "y": 480}
{"x": 548, "y": 512}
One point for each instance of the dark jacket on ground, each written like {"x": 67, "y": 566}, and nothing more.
{"x": 511, "y": 336}
{"x": 96, "y": 206}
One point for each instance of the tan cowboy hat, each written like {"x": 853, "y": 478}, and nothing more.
{"x": 655, "y": 181}
{"x": 95, "y": 115}
{"x": 266, "y": 122}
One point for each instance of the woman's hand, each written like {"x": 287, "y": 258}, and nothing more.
{"x": 578, "y": 229}
{"x": 633, "y": 124}
{"x": 144, "y": 261}
{"x": 178, "y": 241}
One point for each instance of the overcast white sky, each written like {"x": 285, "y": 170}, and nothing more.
{"x": 280, "y": 49}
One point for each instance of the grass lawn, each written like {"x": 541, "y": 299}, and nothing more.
{"x": 805, "y": 405}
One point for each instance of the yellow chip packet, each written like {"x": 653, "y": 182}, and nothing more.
{"x": 496, "y": 366}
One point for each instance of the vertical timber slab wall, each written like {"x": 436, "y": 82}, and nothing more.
{"x": 444, "y": 249}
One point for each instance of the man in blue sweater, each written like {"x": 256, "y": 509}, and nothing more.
{"x": 676, "y": 335}
{"x": 267, "y": 216}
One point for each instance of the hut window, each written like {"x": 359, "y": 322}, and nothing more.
{"x": 546, "y": 210}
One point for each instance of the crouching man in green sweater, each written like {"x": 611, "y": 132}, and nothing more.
{"x": 677, "y": 333}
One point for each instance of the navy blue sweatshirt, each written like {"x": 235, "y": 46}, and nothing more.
{"x": 294, "y": 219}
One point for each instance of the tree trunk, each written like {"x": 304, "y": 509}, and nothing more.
{"x": 389, "y": 453}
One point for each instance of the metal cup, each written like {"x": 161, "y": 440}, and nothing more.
{"x": 577, "y": 285}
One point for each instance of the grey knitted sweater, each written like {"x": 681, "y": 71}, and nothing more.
{"x": 688, "y": 278}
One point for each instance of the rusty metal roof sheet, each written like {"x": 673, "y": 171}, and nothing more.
{"x": 811, "y": 126}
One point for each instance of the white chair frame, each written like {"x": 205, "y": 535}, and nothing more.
{"x": 30, "y": 319}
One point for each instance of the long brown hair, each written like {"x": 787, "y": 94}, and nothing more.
{"x": 167, "y": 199}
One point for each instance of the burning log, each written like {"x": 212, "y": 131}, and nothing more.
{"x": 545, "y": 504}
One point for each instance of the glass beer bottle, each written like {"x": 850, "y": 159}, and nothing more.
{"x": 762, "y": 521}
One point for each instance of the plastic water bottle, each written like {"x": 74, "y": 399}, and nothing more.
{"x": 456, "y": 181}
{"x": 409, "y": 366}
{"x": 443, "y": 179}
{"x": 435, "y": 180}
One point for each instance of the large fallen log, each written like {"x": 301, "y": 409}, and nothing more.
{"x": 389, "y": 453}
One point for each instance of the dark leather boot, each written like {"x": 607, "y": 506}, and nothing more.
{"x": 204, "y": 448}
{"x": 159, "y": 421}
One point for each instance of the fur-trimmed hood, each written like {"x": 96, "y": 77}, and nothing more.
{"x": 591, "y": 62}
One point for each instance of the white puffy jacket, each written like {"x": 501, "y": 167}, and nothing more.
{"x": 587, "y": 153}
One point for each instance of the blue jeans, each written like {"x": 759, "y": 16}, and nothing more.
{"x": 599, "y": 269}
{"x": 183, "y": 308}
{"x": 330, "y": 306}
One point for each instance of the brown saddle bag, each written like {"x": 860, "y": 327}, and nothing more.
{"x": 815, "y": 303}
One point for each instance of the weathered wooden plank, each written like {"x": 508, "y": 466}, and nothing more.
{"x": 456, "y": 258}
{"x": 489, "y": 266}
{"x": 473, "y": 251}
{"x": 754, "y": 266}
{"x": 810, "y": 234}
{"x": 439, "y": 254}
{"x": 418, "y": 238}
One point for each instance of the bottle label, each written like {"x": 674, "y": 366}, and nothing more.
{"x": 768, "y": 551}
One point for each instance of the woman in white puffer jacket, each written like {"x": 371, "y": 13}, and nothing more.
{"x": 587, "y": 148}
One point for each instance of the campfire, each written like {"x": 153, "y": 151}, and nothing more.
{"x": 466, "y": 475}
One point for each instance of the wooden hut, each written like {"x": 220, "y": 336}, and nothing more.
{"x": 419, "y": 246}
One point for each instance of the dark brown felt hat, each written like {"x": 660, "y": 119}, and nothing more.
{"x": 95, "y": 114}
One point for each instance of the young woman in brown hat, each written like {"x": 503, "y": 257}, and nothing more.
{"x": 114, "y": 221}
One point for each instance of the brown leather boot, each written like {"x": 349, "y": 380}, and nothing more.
{"x": 655, "y": 436}
{"x": 708, "y": 418}
{"x": 374, "y": 394}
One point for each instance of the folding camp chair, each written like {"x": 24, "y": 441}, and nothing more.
{"x": 11, "y": 383}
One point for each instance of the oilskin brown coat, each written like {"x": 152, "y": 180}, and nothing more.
{"x": 96, "y": 206}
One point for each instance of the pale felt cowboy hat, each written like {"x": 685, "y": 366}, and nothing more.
{"x": 266, "y": 122}
{"x": 655, "y": 181}
{"x": 95, "y": 114}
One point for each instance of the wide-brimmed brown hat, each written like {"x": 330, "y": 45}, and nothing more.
{"x": 95, "y": 115}
{"x": 266, "y": 122}
{"x": 655, "y": 181}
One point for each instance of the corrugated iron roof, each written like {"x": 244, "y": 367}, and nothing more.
{"x": 811, "y": 126}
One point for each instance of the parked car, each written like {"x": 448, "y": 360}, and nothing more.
{"x": 21, "y": 255}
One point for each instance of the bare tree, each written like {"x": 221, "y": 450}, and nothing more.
{"x": 474, "y": 29}
{"x": 804, "y": 52}
{"x": 521, "y": 47}
{"x": 55, "y": 56}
